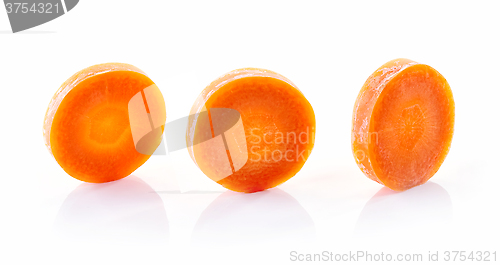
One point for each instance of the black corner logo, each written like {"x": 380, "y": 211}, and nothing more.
{"x": 25, "y": 14}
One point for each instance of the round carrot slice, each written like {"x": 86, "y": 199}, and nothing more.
{"x": 403, "y": 124}
{"x": 104, "y": 122}
{"x": 251, "y": 130}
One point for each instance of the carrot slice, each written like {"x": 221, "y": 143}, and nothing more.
{"x": 104, "y": 122}
{"x": 269, "y": 143}
{"x": 403, "y": 124}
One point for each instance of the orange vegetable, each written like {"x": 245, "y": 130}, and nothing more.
{"x": 403, "y": 124}
{"x": 104, "y": 122}
{"x": 269, "y": 143}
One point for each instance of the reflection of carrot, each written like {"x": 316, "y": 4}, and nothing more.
{"x": 403, "y": 124}
{"x": 270, "y": 143}
{"x": 88, "y": 128}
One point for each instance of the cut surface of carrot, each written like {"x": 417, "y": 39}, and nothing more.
{"x": 403, "y": 124}
{"x": 104, "y": 122}
{"x": 270, "y": 140}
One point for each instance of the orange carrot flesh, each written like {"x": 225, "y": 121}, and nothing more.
{"x": 403, "y": 124}
{"x": 268, "y": 152}
{"x": 87, "y": 126}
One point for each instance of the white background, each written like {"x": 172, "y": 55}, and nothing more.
{"x": 170, "y": 213}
